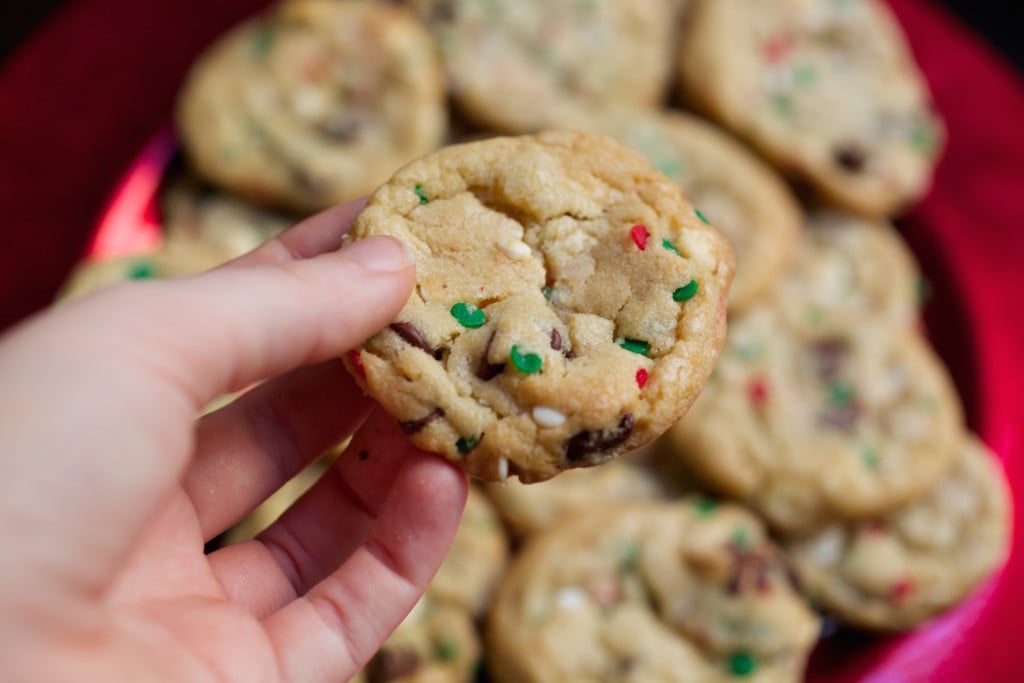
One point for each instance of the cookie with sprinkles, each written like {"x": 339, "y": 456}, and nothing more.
{"x": 650, "y": 592}
{"x": 315, "y": 103}
{"x": 827, "y": 89}
{"x": 737, "y": 192}
{"x": 534, "y": 64}
{"x": 437, "y": 643}
{"x": 896, "y": 571}
{"x": 569, "y": 304}
{"x": 808, "y": 429}
{"x": 849, "y": 268}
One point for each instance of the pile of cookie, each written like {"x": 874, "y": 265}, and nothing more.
{"x": 826, "y": 462}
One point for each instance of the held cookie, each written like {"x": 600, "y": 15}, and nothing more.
{"x": 569, "y": 304}
{"x": 894, "y": 572}
{"x": 849, "y": 268}
{"x": 532, "y": 64}
{"x": 686, "y": 591}
{"x": 828, "y": 90}
{"x": 314, "y": 104}
{"x": 807, "y": 429}
{"x": 737, "y": 192}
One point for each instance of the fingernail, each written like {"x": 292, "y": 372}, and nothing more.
{"x": 383, "y": 254}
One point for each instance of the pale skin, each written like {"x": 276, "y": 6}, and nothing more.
{"x": 110, "y": 486}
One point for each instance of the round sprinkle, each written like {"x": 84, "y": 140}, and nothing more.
{"x": 742, "y": 664}
{"x": 422, "y": 194}
{"x": 741, "y": 538}
{"x": 671, "y": 247}
{"x": 466, "y": 444}
{"x": 528, "y": 363}
{"x": 502, "y": 469}
{"x": 446, "y": 651}
{"x": 870, "y": 457}
{"x": 262, "y": 42}
{"x": 686, "y": 292}
{"x": 640, "y": 233}
{"x": 636, "y": 346}
{"x": 702, "y": 217}
{"x": 143, "y": 270}
{"x": 705, "y": 506}
{"x": 547, "y": 292}
{"x": 757, "y": 392}
{"x": 840, "y": 394}
{"x": 548, "y": 417}
{"x": 641, "y": 377}
{"x": 901, "y": 590}
{"x": 468, "y": 315}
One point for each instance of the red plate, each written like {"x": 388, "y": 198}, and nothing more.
{"x": 967, "y": 239}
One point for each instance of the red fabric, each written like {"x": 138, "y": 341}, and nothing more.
{"x": 80, "y": 100}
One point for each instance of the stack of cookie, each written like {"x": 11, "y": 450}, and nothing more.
{"x": 571, "y": 306}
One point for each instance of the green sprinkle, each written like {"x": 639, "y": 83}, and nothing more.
{"x": 782, "y": 105}
{"x": 686, "y": 292}
{"x": 466, "y": 444}
{"x": 422, "y": 194}
{"x": 804, "y": 75}
{"x": 741, "y": 538}
{"x": 528, "y": 363}
{"x": 629, "y": 553}
{"x": 547, "y": 292}
{"x": 262, "y": 41}
{"x": 702, "y": 217}
{"x": 922, "y": 138}
{"x": 870, "y": 457}
{"x": 840, "y": 393}
{"x": 143, "y": 270}
{"x": 671, "y": 247}
{"x": 706, "y": 506}
{"x": 749, "y": 352}
{"x": 636, "y": 346}
{"x": 468, "y": 315}
{"x": 814, "y": 315}
{"x": 446, "y": 651}
{"x": 742, "y": 664}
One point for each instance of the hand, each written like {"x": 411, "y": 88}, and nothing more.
{"x": 109, "y": 487}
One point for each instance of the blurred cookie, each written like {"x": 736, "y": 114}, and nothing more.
{"x": 477, "y": 558}
{"x": 894, "y": 572}
{"x": 569, "y": 304}
{"x": 191, "y": 210}
{"x": 436, "y": 643}
{"x": 849, "y": 268}
{"x": 528, "y": 509}
{"x": 316, "y": 103}
{"x": 685, "y": 591}
{"x": 736, "y": 191}
{"x": 827, "y": 90}
{"x": 811, "y": 428}
{"x": 518, "y": 67}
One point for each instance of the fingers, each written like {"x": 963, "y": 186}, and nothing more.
{"x": 251, "y": 447}
{"x": 315, "y": 235}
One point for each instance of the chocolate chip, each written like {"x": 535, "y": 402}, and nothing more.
{"x": 841, "y": 417}
{"x": 850, "y": 158}
{"x": 413, "y": 426}
{"x": 392, "y": 663}
{"x": 829, "y": 354}
{"x": 414, "y": 337}
{"x": 487, "y": 370}
{"x": 556, "y": 340}
{"x": 750, "y": 570}
{"x": 443, "y": 13}
{"x": 580, "y": 446}
{"x": 343, "y": 127}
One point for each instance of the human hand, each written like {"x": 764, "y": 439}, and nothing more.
{"x": 109, "y": 487}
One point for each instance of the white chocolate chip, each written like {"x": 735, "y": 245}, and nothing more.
{"x": 515, "y": 250}
{"x": 502, "y": 469}
{"x": 571, "y": 599}
{"x": 548, "y": 417}
{"x": 827, "y": 549}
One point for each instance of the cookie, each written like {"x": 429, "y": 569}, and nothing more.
{"x": 849, "y": 268}
{"x": 477, "y": 558}
{"x": 534, "y": 64}
{"x": 315, "y": 103}
{"x": 686, "y": 591}
{"x": 738, "y": 193}
{"x": 827, "y": 90}
{"x": 528, "y": 509}
{"x": 191, "y": 210}
{"x": 896, "y": 571}
{"x": 569, "y": 304}
{"x": 436, "y": 643}
{"x": 807, "y": 429}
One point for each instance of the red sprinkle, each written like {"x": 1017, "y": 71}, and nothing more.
{"x": 901, "y": 590}
{"x": 640, "y": 235}
{"x": 776, "y": 49}
{"x": 641, "y": 377}
{"x": 757, "y": 391}
{"x": 357, "y": 360}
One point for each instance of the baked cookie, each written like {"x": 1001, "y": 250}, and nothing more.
{"x": 477, "y": 558}
{"x": 192, "y": 210}
{"x": 528, "y": 509}
{"x": 827, "y": 90}
{"x": 686, "y": 591}
{"x": 894, "y": 572}
{"x": 807, "y": 429}
{"x": 737, "y": 192}
{"x": 533, "y": 64}
{"x": 316, "y": 103}
{"x": 849, "y": 268}
{"x": 569, "y": 304}
{"x": 436, "y": 643}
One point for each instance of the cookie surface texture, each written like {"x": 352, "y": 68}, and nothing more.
{"x": 894, "y": 572}
{"x": 569, "y": 305}
{"x": 828, "y": 90}
{"x": 672, "y": 592}
{"x": 316, "y": 103}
